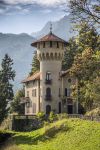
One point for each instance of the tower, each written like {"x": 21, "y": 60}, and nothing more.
{"x": 50, "y": 53}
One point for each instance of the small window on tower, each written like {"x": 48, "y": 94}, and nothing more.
{"x": 43, "y": 44}
{"x": 48, "y": 76}
{"x": 50, "y": 43}
{"x": 57, "y": 44}
{"x": 39, "y": 45}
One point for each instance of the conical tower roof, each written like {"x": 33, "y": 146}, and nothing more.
{"x": 49, "y": 37}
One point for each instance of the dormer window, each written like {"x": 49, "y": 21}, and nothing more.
{"x": 43, "y": 44}
{"x": 50, "y": 43}
{"x": 57, "y": 44}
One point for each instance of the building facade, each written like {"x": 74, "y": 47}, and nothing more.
{"x": 49, "y": 89}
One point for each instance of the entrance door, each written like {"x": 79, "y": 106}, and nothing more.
{"x": 59, "y": 107}
{"x": 70, "y": 109}
{"x": 48, "y": 109}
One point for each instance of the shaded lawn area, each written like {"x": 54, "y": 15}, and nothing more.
{"x": 66, "y": 134}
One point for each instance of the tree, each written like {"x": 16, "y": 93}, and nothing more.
{"x": 16, "y": 105}
{"x": 87, "y": 38}
{"x": 86, "y": 68}
{"x": 7, "y": 75}
{"x": 85, "y": 10}
{"x": 70, "y": 52}
{"x": 35, "y": 64}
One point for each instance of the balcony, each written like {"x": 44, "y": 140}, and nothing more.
{"x": 48, "y": 81}
{"x": 48, "y": 97}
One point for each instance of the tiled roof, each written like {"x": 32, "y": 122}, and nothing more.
{"x": 35, "y": 76}
{"x": 49, "y": 37}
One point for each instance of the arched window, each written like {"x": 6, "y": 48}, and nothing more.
{"x": 48, "y": 91}
{"x": 48, "y": 109}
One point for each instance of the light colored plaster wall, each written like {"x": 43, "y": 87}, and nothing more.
{"x": 66, "y": 84}
{"x": 28, "y": 88}
{"x": 54, "y": 67}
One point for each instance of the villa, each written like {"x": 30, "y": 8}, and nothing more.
{"x": 49, "y": 89}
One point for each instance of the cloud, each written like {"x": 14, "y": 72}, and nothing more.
{"x": 25, "y": 6}
{"x": 40, "y": 2}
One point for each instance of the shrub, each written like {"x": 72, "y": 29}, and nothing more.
{"x": 4, "y": 135}
{"x": 52, "y": 116}
{"x": 41, "y": 116}
{"x": 62, "y": 116}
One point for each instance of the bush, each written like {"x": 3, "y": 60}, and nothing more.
{"x": 52, "y": 116}
{"x": 4, "y": 135}
{"x": 62, "y": 116}
{"x": 41, "y": 116}
{"x": 6, "y": 124}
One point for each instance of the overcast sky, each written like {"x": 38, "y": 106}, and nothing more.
{"x": 17, "y": 16}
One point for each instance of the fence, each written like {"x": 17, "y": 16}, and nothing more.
{"x": 91, "y": 118}
{"x": 31, "y": 122}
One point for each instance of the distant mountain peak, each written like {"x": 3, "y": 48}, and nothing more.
{"x": 61, "y": 28}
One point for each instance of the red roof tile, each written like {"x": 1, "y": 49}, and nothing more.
{"x": 35, "y": 76}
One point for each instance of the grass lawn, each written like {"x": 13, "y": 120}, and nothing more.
{"x": 66, "y": 134}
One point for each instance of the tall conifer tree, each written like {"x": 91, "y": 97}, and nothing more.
{"x": 7, "y": 75}
{"x": 35, "y": 64}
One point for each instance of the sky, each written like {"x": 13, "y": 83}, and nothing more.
{"x": 27, "y": 16}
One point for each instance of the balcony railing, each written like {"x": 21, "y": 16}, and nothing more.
{"x": 48, "y": 81}
{"x": 48, "y": 97}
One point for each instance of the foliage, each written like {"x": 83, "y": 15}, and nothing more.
{"x": 70, "y": 133}
{"x": 41, "y": 116}
{"x": 35, "y": 64}
{"x": 52, "y": 116}
{"x": 94, "y": 112}
{"x": 86, "y": 67}
{"x": 4, "y": 135}
{"x": 16, "y": 105}
{"x": 7, "y": 75}
{"x": 69, "y": 54}
{"x": 85, "y": 10}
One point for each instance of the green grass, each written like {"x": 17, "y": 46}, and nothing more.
{"x": 66, "y": 134}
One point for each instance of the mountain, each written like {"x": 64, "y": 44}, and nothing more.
{"x": 19, "y": 49}
{"x": 62, "y": 28}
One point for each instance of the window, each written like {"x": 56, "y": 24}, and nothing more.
{"x": 48, "y": 92}
{"x": 59, "y": 92}
{"x": 43, "y": 44}
{"x": 62, "y": 46}
{"x": 27, "y": 93}
{"x": 50, "y": 43}
{"x": 48, "y": 109}
{"x": 34, "y": 93}
{"x": 68, "y": 92}
{"x": 65, "y": 91}
{"x": 57, "y": 44}
{"x": 34, "y": 107}
{"x": 48, "y": 76}
{"x": 39, "y": 45}
{"x": 69, "y": 80}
